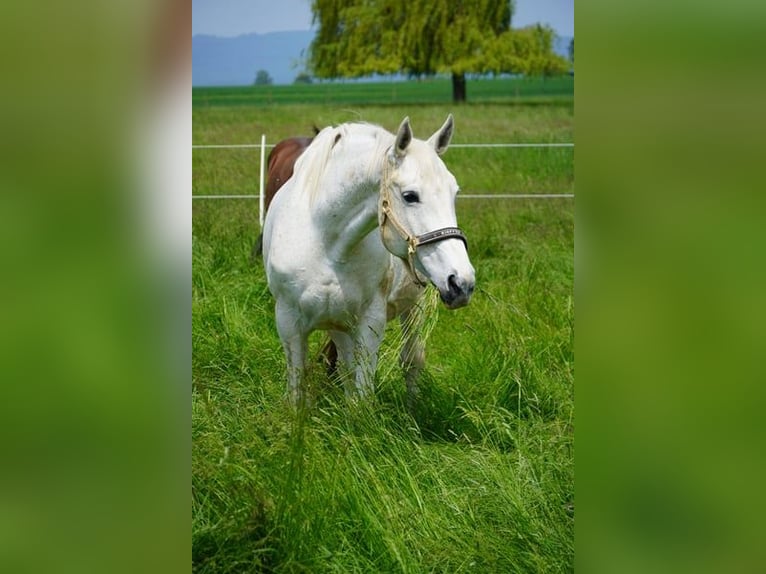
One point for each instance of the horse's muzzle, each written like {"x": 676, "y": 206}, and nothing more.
{"x": 458, "y": 292}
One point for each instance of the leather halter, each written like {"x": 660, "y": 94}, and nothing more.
{"x": 386, "y": 216}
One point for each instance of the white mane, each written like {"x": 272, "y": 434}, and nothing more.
{"x": 333, "y": 143}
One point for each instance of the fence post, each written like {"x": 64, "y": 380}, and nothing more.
{"x": 261, "y": 215}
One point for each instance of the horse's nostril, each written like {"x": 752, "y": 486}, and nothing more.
{"x": 453, "y": 285}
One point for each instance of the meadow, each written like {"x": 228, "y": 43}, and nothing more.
{"x": 535, "y": 90}
{"x": 481, "y": 477}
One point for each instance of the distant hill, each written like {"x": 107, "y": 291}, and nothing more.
{"x": 234, "y": 61}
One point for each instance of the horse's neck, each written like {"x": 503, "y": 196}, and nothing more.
{"x": 350, "y": 211}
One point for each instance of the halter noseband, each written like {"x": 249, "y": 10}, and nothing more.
{"x": 386, "y": 215}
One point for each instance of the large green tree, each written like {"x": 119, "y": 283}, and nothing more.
{"x": 422, "y": 37}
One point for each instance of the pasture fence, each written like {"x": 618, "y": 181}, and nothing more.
{"x": 460, "y": 196}
{"x": 263, "y": 146}
{"x": 489, "y": 145}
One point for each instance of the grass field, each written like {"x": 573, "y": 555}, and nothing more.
{"x": 482, "y": 477}
{"x": 540, "y": 91}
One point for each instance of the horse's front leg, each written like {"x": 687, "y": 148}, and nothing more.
{"x": 358, "y": 352}
{"x": 295, "y": 343}
{"x": 369, "y": 338}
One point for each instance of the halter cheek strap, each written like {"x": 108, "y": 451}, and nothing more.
{"x": 399, "y": 243}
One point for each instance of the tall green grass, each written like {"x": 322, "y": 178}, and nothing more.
{"x": 481, "y": 477}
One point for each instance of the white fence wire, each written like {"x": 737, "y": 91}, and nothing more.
{"x": 263, "y": 146}
{"x": 460, "y": 196}
{"x": 490, "y": 145}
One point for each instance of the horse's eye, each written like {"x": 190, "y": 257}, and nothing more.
{"x": 411, "y": 196}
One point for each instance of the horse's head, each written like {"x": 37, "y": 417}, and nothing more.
{"x": 417, "y": 213}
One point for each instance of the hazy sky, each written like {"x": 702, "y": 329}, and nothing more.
{"x": 235, "y": 17}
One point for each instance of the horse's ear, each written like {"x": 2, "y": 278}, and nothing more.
{"x": 403, "y": 137}
{"x": 440, "y": 140}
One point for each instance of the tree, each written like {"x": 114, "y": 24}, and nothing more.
{"x": 571, "y": 50}
{"x": 423, "y": 37}
{"x": 527, "y": 51}
{"x": 262, "y": 78}
{"x": 303, "y": 78}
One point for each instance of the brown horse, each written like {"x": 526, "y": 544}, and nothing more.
{"x": 280, "y": 168}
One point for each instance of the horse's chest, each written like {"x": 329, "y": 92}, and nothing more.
{"x": 336, "y": 302}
